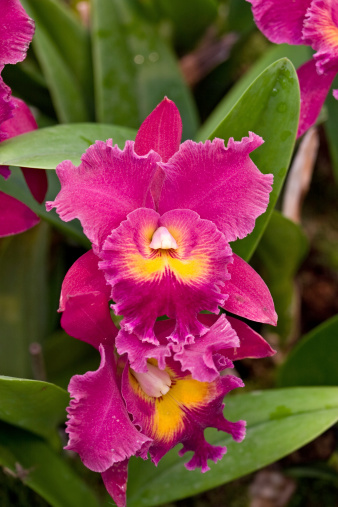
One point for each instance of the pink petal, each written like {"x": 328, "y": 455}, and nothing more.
{"x": 252, "y": 344}
{"x": 313, "y": 91}
{"x": 178, "y": 284}
{"x": 190, "y": 414}
{"x": 16, "y": 32}
{"x": 99, "y": 427}
{"x": 221, "y": 184}
{"x": 21, "y": 122}
{"x": 5, "y": 171}
{"x": 321, "y": 33}
{"x": 199, "y": 357}
{"x": 6, "y": 107}
{"x": 84, "y": 302}
{"x": 115, "y": 480}
{"x": 280, "y": 20}
{"x": 108, "y": 184}
{"x": 161, "y": 131}
{"x": 335, "y": 94}
{"x": 249, "y": 296}
{"x": 15, "y": 217}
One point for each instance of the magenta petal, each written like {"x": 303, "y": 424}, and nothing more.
{"x": 313, "y": 91}
{"x": 199, "y": 357}
{"x": 16, "y": 32}
{"x": 6, "y": 107}
{"x": 138, "y": 351}
{"x": 280, "y": 20}
{"x": 37, "y": 182}
{"x": 84, "y": 302}
{"x": 148, "y": 283}
{"x": 15, "y": 217}
{"x": 221, "y": 184}
{"x": 99, "y": 427}
{"x": 161, "y": 131}
{"x": 23, "y": 121}
{"x": 249, "y": 296}
{"x": 321, "y": 33}
{"x": 335, "y": 94}
{"x": 115, "y": 480}
{"x": 5, "y": 171}
{"x": 252, "y": 344}
{"x": 107, "y": 185}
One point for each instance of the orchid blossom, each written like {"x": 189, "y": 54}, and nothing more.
{"x": 313, "y": 23}
{"x": 16, "y": 32}
{"x": 117, "y": 412}
{"x": 160, "y": 216}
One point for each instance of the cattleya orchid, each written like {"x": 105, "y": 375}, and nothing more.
{"x": 16, "y": 32}
{"x": 313, "y": 23}
{"x": 160, "y": 216}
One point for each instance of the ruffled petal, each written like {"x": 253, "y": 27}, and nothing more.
{"x": 221, "y": 184}
{"x": 182, "y": 414}
{"x": 148, "y": 283}
{"x": 15, "y": 217}
{"x": 280, "y": 20}
{"x": 250, "y": 344}
{"x": 321, "y": 33}
{"x": 21, "y": 122}
{"x": 161, "y": 131}
{"x": 202, "y": 358}
{"x": 115, "y": 480}
{"x": 313, "y": 91}
{"x": 108, "y": 184}
{"x": 16, "y": 32}
{"x": 98, "y": 425}
{"x": 6, "y": 107}
{"x": 249, "y": 296}
{"x": 84, "y": 302}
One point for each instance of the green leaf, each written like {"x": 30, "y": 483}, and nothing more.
{"x": 279, "y": 421}
{"x": 134, "y": 67}
{"x": 280, "y": 252}
{"x": 62, "y": 46}
{"x": 331, "y": 127}
{"x": 313, "y": 361}
{"x": 42, "y": 469}
{"x": 23, "y": 297}
{"x": 296, "y": 54}
{"x": 270, "y": 108}
{"x": 32, "y": 405}
{"x": 46, "y": 148}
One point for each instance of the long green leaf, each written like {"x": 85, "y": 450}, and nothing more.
{"x": 313, "y": 361}
{"x": 296, "y": 54}
{"x": 62, "y": 46}
{"x": 279, "y": 421}
{"x": 32, "y": 405}
{"x": 42, "y": 469}
{"x": 46, "y": 148}
{"x": 135, "y": 67}
{"x": 270, "y": 108}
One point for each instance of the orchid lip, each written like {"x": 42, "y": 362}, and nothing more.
{"x": 154, "y": 382}
{"x": 163, "y": 239}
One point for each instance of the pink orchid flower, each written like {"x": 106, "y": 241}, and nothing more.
{"x": 117, "y": 412}
{"x": 160, "y": 216}
{"x": 16, "y": 32}
{"x": 313, "y": 23}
